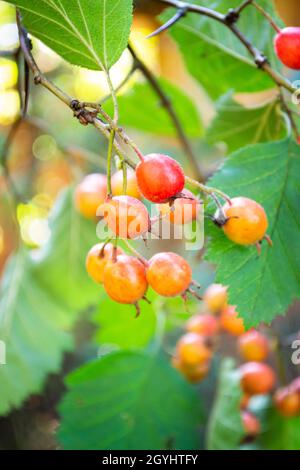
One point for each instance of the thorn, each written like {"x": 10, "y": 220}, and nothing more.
{"x": 181, "y": 12}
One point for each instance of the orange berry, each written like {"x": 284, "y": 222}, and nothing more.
{"x": 253, "y": 346}
{"x": 287, "y": 401}
{"x": 169, "y": 274}
{"x": 215, "y": 297}
{"x": 132, "y": 187}
{"x": 206, "y": 325}
{"x": 192, "y": 350}
{"x": 125, "y": 279}
{"x": 183, "y": 210}
{"x": 97, "y": 259}
{"x": 247, "y": 221}
{"x": 194, "y": 373}
{"x": 230, "y": 322}
{"x": 90, "y": 194}
{"x": 257, "y": 378}
{"x": 250, "y": 423}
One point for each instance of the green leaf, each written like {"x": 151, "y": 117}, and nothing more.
{"x": 88, "y": 33}
{"x": 267, "y": 173}
{"x": 152, "y": 117}
{"x": 129, "y": 401}
{"x": 32, "y": 326}
{"x": 225, "y": 429}
{"x": 215, "y": 57}
{"x": 238, "y": 126}
{"x": 280, "y": 433}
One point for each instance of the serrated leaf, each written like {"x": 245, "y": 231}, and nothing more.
{"x": 129, "y": 401}
{"x": 238, "y": 126}
{"x": 88, "y": 33}
{"x": 225, "y": 429}
{"x": 267, "y": 173}
{"x": 215, "y": 57}
{"x": 152, "y": 117}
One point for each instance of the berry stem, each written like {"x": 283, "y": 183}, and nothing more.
{"x": 135, "y": 252}
{"x": 109, "y": 161}
{"x": 207, "y": 190}
{"x": 267, "y": 16}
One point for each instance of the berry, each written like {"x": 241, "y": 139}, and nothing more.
{"x": 295, "y": 385}
{"x": 192, "y": 374}
{"x": 183, "y": 210}
{"x": 287, "y": 401}
{"x": 230, "y": 322}
{"x": 215, "y": 297}
{"x": 159, "y": 177}
{"x": 246, "y": 221}
{"x": 245, "y": 400}
{"x": 206, "y": 325}
{"x": 250, "y": 423}
{"x": 287, "y": 47}
{"x": 126, "y": 216}
{"x": 97, "y": 258}
{"x": 131, "y": 187}
{"x": 125, "y": 279}
{"x": 253, "y": 346}
{"x": 257, "y": 378}
{"x": 169, "y": 274}
{"x": 90, "y": 194}
{"x": 191, "y": 350}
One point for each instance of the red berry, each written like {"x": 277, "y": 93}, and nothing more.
{"x": 90, "y": 194}
{"x": 231, "y": 322}
{"x": 257, "y": 378}
{"x": 287, "y": 47}
{"x": 253, "y": 346}
{"x": 97, "y": 258}
{"x": 169, "y": 274}
{"x": 125, "y": 279}
{"x": 206, "y": 325}
{"x": 159, "y": 177}
{"x": 251, "y": 424}
{"x": 126, "y": 216}
{"x": 131, "y": 187}
{"x": 246, "y": 223}
{"x": 287, "y": 401}
{"x": 215, "y": 297}
{"x": 183, "y": 210}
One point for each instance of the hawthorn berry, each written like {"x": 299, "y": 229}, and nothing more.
{"x": 97, "y": 258}
{"x": 230, "y": 321}
{"x": 159, "y": 177}
{"x": 253, "y": 346}
{"x": 125, "y": 279}
{"x": 257, "y": 378}
{"x": 193, "y": 374}
{"x": 90, "y": 194}
{"x": 215, "y": 297}
{"x": 250, "y": 423}
{"x": 287, "y": 47}
{"x": 192, "y": 350}
{"x": 131, "y": 187}
{"x": 182, "y": 210}
{"x": 126, "y": 216}
{"x": 245, "y": 221}
{"x": 206, "y": 325}
{"x": 287, "y": 401}
{"x": 169, "y": 274}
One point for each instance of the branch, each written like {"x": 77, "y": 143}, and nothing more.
{"x": 167, "y": 104}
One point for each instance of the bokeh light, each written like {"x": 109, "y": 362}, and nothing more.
{"x": 8, "y": 74}
{"x": 9, "y": 106}
{"x": 34, "y": 226}
{"x": 44, "y": 147}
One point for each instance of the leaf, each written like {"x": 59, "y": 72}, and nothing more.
{"x": 88, "y": 33}
{"x": 225, "y": 429}
{"x": 215, "y": 57}
{"x": 152, "y": 117}
{"x": 267, "y": 173}
{"x": 238, "y": 126}
{"x": 32, "y": 326}
{"x": 129, "y": 401}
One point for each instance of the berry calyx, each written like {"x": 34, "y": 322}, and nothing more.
{"x": 206, "y": 325}
{"x": 182, "y": 210}
{"x": 97, "y": 258}
{"x": 159, "y": 177}
{"x": 287, "y": 401}
{"x": 192, "y": 350}
{"x": 131, "y": 187}
{"x": 250, "y": 423}
{"x": 215, "y": 297}
{"x": 125, "y": 279}
{"x": 253, "y": 346}
{"x": 126, "y": 216}
{"x": 90, "y": 194}
{"x": 287, "y": 47}
{"x": 257, "y": 378}
{"x": 230, "y": 321}
{"x": 169, "y": 274}
{"x": 245, "y": 221}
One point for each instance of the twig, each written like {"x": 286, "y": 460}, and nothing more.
{"x": 109, "y": 160}
{"x": 4, "y": 159}
{"x": 267, "y": 16}
{"x": 123, "y": 83}
{"x": 289, "y": 114}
